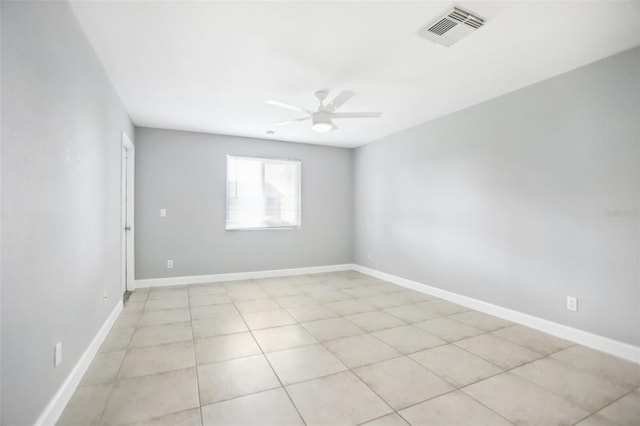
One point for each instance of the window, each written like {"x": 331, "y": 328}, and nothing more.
{"x": 262, "y": 193}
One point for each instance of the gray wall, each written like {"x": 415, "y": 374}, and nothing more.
{"x": 507, "y": 201}
{"x": 185, "y": 173}
{"x": 61, "y": 138}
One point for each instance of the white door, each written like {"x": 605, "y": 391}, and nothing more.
{"x": 128, "y": 164}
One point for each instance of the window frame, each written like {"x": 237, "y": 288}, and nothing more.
{"x": 263, "y": 159}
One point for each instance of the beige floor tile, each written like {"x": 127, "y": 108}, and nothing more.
{"x": 348, "y": 307}
{"x": 153, "y": 396}
{"x": 160, "y": 304}
{"x": 209, "y": 299}
{"x": 340, "y": 283}
{"x": 304, "y": 363}
{"x": 503, "y": 353}
{"x": 229, "y": 346}
{"x": 481, "y": 321}
{"x": 241, "y": 286}
{"x": 442, "y": 307}
{"x": 388, "y": 420}
{"x": 295, "y": 301}
{"x": 267, "y": 408}
{"x": 311, "y": 313}
{"x": 331, "y": 296}
{"x": 524, "y": 403}
{"x": 412, "y": 296}
{"x": 104, "y": 368}
{"x": 234, "y": 378}
{"x": 312, "y": 288}
{"x": 584, "y": 389}
{"x": 409, "y": 339}
{"x": 259, "y": 305}
{"x": 206, "y": 289}
{"x": 152, "y": 342}
{"x": 332, "y": 328}
{"x": 133, "y": 307}
{"x": 363, "y": 291}
{"x": 454, "y": 408}
{"x": 272, "y": 281}
{"x": 625, "y": 411}
{"x": 350, "y": 274}
{"x": 258, "y": 320}
{"x": 285, "y": 337}
{"x": 535, "y": 340}
{"x": 169, "y": 293}
{"x": 86, "y": 405}
{"x": 127, "y": 320}
{"x": 339, "y": 399}
{"x": 455, "y": 365}
{"x": 282, "y": 290}
{"x": 243, "y": 296}
{"x": 384, "y": 301}
{"x": 166, "y": 316}
{"x": 597, "y": 420}
{"x": 374, "y": 321}
{"x": 183, "y": 418}
{"x": 389, "y": 288}
{"x": 356, "y": 351}
{"x": 117, "y": 340}
{"x": 448, "y": 329}
{"x": 402, "y": 382}
{"x": 139, "y": 296}
{"x": 157, "y": 359}
{"x": 616, "y": 370}
{"x": 213, "y": 311}
{"x": 219, "y": 326}
{"x": 412, "y": 314}
{"x": 161, "y": 334}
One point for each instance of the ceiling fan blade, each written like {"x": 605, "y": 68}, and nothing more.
{"x": 283, "y": 123}
{"x": 356, "y": 115}
{"x": 339, "y": 100}
{"x": 287, "y": 106}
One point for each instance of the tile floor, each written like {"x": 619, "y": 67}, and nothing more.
{"x": 339, "y": 349}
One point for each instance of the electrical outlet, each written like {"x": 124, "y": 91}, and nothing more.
{"x": 163, "y": 212}
{"x": 169, "y": 263}
{"x": 572, "y": 303}
{"x": 57, "y": 354}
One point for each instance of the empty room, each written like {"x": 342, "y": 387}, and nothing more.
{"x": 378, "y": 213}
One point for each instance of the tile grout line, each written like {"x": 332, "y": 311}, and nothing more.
{"x": 195, "y": 359}
{"x": 264, "y": 355}
{"x": 116, "y": 379}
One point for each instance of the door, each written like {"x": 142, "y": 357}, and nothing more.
{"x": 127, "y": 249}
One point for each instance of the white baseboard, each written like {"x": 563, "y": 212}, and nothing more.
{"x": 604, "y": 344}
{"x": 53, "y": 410}
{"x": 235, "y": 276}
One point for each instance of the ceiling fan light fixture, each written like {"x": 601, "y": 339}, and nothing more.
{"x": 321, "y": 123}
{"x": 321, "y": 126}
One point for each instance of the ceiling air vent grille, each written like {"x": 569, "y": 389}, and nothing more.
{"x": 453, "y": 26}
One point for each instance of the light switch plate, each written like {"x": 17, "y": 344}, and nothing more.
{"x": 57, "y": 354}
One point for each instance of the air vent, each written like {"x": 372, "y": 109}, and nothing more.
{"x": 450, "y": 28}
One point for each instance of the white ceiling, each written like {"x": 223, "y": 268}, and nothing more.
{"x": 210, "y": 66}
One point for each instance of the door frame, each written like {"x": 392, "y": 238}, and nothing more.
{"x": 127, "y": 208}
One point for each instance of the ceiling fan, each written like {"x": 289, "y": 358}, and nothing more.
{"x": 322, "y": 119}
